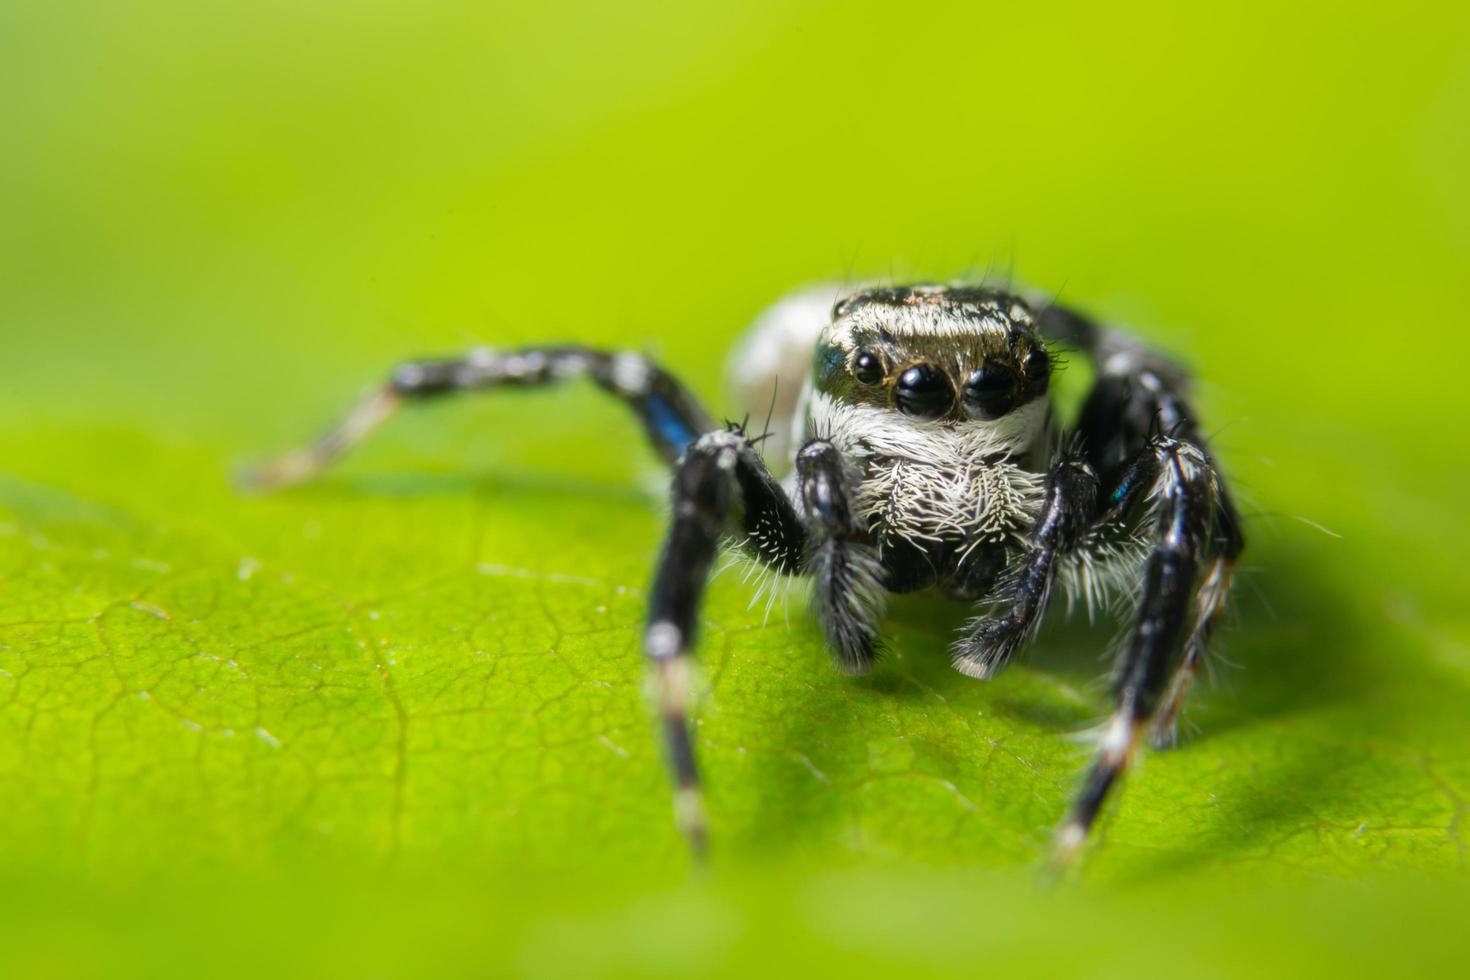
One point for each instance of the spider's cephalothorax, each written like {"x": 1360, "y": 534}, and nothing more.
{"x": 916, "y": 428}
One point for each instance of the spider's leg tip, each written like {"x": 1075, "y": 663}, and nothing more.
{"x": 259, "y": 479}
{"x": 975, "y": 665}
{"x": 1164, "y": 737}
{"x": 247, "y": 480}
{"x": 255, "y": 479}
{"x": 1070, "y": 838}
{"x": 689, "y": 815}
{"x": 854, "y": 667}
{"x": 982, "y": 654}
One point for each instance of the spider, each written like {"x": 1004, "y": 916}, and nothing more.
{"x": 924, "y": 452}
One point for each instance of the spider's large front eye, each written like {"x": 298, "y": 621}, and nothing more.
{"x": 923, "y": 391}
{"x": 1037, "y": 366}
{"x": 867, "y": 367}
{"x": 990, "y": 392}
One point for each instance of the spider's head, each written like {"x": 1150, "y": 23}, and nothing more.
{"x": 933, "y": 353}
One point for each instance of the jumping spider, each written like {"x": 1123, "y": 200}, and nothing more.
{"x": 927, "y": 454}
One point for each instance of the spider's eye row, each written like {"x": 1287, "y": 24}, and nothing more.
{"x": 867, "y": 367}
{"x": 923, "y": 391}
{"x": 991, "y": 391}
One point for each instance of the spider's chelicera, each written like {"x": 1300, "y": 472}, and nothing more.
{"x": 921, "y": 450}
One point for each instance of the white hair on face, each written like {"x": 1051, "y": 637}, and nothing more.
{"x": 866, "y": 430}
{"x": 930, "y": 481}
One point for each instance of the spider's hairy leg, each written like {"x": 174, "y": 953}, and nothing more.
{"x": 846, "y": 571}
{"x": 1183, "y": 497}
{"x": 1226, "y": 543}
{"x": 671, "y": 415}
{"x": 1138, "y": 394}
{"x": 1067, "y": 511}
{"x": 721, "y": 489}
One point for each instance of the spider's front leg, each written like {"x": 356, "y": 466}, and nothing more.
{"x": 1183, "y": 491}
{"x": 721, "y": 489}
{"x": 1142, "y": 438}
{"x": 1068, "y": 511}
{"x": 1138, "y": 394}
{"x": 671, "y": 416}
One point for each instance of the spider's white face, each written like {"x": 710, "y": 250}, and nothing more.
{"x": 915, "y": 370}
{"x": 934, "y": 353}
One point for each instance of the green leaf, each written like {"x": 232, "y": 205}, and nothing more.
{"x": 396, "y": 721}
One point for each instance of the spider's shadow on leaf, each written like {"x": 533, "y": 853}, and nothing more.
{"x": 1305, "y": 680}
{"x": 1296, "y": 646}
{"x": 493, "y": 482}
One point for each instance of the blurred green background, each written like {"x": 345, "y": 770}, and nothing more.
{"x": 392, "y": 724}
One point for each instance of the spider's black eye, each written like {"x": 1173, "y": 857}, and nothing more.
{"x": 867, "y": 367}
{"x": 1036, "y": 366}
{"x": 990, "y": 392}
{"x": 923, "y": 391}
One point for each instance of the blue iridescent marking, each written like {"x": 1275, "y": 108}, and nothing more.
{"x": 1122, "y": 491}
{"x": 827, "y": 361}
{"x": 669, "y": 424}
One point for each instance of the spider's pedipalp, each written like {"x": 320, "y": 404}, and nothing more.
{"x": 848, "y": 592}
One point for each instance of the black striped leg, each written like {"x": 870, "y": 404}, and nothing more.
{"x": 721, "y": 488}
{"x": 1214, "y": 591}
{"x": 1183, "y": 499}
{"x": 847, "y": 573}
{"x": 1067, "y": 511}
{"x": 1139, "y": 393}
{"x": 672, "y": 417}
